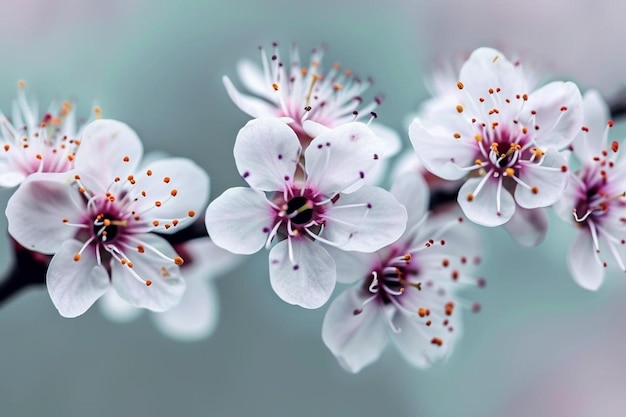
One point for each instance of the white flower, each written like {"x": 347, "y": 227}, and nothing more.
{"x": 504, "y": 139}
{"x": 32, "y": 144}
{"x": 196, "y": 316}
{"x": 406, "y": 292}
{"x": 595, "y": 199}
{"x": 304, "y": 213}
{"x": 307, "y": 99}
{"x": 96, "y": 221}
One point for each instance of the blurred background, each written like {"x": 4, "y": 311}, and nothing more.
{"x": 541, "y": 346}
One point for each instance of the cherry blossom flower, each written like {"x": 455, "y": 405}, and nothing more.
{"x": 307, "y": 99}
{"x": 302, "y": 214}
{"x": 196, "y": 316}
{"x": 36, "y": 144}
{"x": 503, "y": 139}
{"x": 407, "y": 292}
{"x": 96, "y": 220}
{"x": 595, "y": 199}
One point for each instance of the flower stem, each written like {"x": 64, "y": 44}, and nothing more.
{"x": 29, "y": 268}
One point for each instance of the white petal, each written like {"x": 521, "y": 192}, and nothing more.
{"x": 564, "y": 207}
{"x": 528, "y": 227}
{"x": 313, "y": 128}
{"x": 414, "y": 340}
{"x": 75, "y": 285}
{"x": 36, "y": 211}
{"x": 195, "y": 317}
{"x": 108, "y": 149}
{"x": 438, "y": 150}
{"x": 376, "y": 176}
{"x": 585, "y": 270}
{"x": 390, "y": 139}
{"x": 482, "y": 209}
{"x": 254, "y": 80}
{"x": 204, "y": 259}
{"x": 239, "y": 220}
{"x": 309, "y": 280}
{"x": 355, "y": 340}
{"x": 365, "y": 220}
{"x": 267, "y": 152}
{"x": 252, "y": 106}
{"x": 557, "y": 128}
{"x": 179, "y": 186}
{"x": 549, "y": 179}
{"x": 488, "y": 68}
{"x": 412, "y": 192}
{"x": 592, "y": 141}
{"x": 10, "y": 177}
{"x": 341, "y": 157}
{"x": 353, "y": 266}
{"x": 115, "y": 308}
{"x": 167, "y": 286}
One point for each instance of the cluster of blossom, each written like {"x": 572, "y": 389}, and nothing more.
{"x": 314, "y": 158}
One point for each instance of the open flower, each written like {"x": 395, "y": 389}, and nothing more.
{"x": 304, "y": 214}
{"x": 503, "y": 139}
{"x": 96, "y": 221}
{"x": 33, "y": 144}
{"x": 595, "y": 200}
{"x": 196, "y": 316}
{"x": 307, "y": 99}
{"x": 406, "y": 292}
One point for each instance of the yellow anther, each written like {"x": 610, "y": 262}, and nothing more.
{"x": 510, "y": 172}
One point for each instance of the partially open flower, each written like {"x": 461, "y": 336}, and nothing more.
{"x": 308, "y": 99}
{"x": 30, "y": 143}
{"x": 96, "y": 221}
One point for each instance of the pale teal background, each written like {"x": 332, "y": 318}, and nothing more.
{"x": 541, "y": 346}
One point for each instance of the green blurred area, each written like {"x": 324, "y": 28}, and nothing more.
{"x": 157, "y": 66}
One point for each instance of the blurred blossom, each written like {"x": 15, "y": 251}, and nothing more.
{"x": 581, "y": 44}
{"x": 196, "y": 316}
{"x": 32, "y": 143}
{"x": 595, "y": 200}
{"x": 407, "y": 292}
